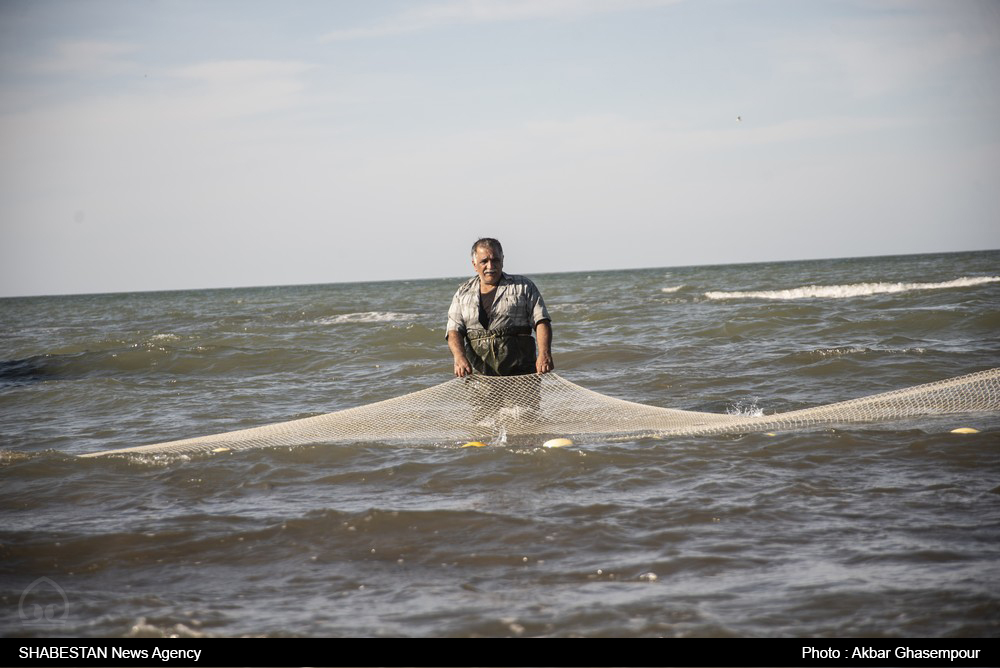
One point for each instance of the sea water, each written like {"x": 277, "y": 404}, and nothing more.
{"x": 876, "y": 530}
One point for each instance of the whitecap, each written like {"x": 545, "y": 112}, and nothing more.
{"x": 851, "y": 290}
{"x": 368, "y": 316}
{"x": 673, "y": 289}
{"x": 834, "y": 352}
{"x": 745, "y": 408}
{"x": 571, "y": 307}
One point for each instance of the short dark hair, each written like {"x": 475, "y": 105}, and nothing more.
{"x": 490, "y": 243}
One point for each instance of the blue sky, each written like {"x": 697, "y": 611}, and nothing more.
{"x": 169, "y": 145}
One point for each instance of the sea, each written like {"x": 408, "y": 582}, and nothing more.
{"x": 876, "y": 530}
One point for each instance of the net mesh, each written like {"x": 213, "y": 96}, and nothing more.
{"x": 494, "y": 408}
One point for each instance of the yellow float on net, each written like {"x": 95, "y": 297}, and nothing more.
{"x": 474, "y": 444}
{"x": 557, "y": 443}
{"x": 965, "y": 430}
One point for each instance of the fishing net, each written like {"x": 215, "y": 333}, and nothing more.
{"x": 495, "y": 408}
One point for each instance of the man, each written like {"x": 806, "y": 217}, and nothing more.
{"x": 492, "y": 317}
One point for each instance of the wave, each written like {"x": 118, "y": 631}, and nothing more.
{"x": 844, "y": 350}
{"x": 673, "y": 289}
{"x": 745, "y": 408}
{"x": 369, "y": 316}
{"x": 851, "y": 290}
{"x": 164, "y": 337}
{"x": 809, "y": 356}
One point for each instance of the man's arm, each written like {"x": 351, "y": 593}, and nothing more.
{"x": 457, "y": 345}
{"x": 543, "y": 332}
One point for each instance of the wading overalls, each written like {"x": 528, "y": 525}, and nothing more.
{"x": 508, "y": 351}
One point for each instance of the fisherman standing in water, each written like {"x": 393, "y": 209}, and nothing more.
{"x": 491, "y": 319}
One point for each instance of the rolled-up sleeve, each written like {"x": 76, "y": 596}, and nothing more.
{"x": 464, "y": 307}
{"x": 456, "y": 321}
{"x": 538, "y": 310}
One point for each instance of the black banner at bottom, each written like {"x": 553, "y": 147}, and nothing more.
{"x": 776, "y": 652}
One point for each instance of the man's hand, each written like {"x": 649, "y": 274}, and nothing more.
{"x": 543, "y": 332}
{"x": 457, "y": 346}
{"x": 544, "y": 364}
{"x": 462, "y": 367}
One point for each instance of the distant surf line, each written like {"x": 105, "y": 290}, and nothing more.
{"x": 850, "y": 290}
{"x": 366, "y": 317}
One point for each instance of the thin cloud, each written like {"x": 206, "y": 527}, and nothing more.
{"x": 229, "y": 71}
{"x": 86, "y": 57}
{"x": 230, "y": 89}
{"x": 609, "y": 134}
{"x": 466, "y": 12}
{"x": 880, "y": 57}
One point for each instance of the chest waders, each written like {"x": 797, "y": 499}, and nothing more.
{"x": 506, "y": 351}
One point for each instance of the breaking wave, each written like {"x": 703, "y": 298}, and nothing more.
{"x": 852, "y": 290}
{"x": 370, "y": 316}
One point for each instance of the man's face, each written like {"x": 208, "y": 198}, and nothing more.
{"x": 488, "y": 265}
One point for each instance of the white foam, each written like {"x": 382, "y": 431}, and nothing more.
{"x": 834, "y": 352}
{"x": 571, "y": 307}
{"x": 745, "y": 408}
{"x": 852, "y": 290}
{"x": 673, "y": 289}
{"x": 369, "y": 316}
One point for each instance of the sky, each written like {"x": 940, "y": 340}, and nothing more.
{"x": 172, "y": 144}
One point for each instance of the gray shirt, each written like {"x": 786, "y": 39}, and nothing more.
{"x": 517, "y": 303}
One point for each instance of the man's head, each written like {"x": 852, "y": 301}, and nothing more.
{"x": 487, "y": 260}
